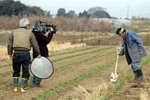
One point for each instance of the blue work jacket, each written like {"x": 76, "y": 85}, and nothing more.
{"x": 132, "y": 45}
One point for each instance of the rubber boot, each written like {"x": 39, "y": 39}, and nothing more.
{"x": 135, "y": 75}
{"x": 23, "y": 85}
{"x": 139, "y": 76}
{"x": 15, "y": 82}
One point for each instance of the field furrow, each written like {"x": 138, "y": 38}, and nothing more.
{"x": 61, "y": 74}
{"x": 77, "y": 73}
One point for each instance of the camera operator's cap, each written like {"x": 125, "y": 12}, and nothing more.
{"x": 24, "y": 22}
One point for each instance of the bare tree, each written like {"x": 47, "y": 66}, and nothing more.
{"x": 101, "y": 14}
{"x": 92, "y": 10}
{"x": 71, "y": 14}
{"x": 61, "y": 12}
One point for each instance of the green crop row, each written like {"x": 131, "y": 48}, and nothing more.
{"x": 80, "y": 54}
{"x": 8, "y": 73}
{"x": 58, "y": 89}
{"x": 60, "y": 69}
{"x": 106, "y": 96}
{"x": 67, "y": 53}
{"x": 83, "y": 61}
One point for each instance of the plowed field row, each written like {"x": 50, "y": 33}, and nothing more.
{"x": 86, "y": 66}
{"x": 7, "y": 77}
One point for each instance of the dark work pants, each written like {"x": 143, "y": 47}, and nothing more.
{"x": 21, "y": 59}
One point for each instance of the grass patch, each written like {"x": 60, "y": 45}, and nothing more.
{"x": 145, "y": 26}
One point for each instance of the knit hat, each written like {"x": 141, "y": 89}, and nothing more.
{"x": 24, "y": 22}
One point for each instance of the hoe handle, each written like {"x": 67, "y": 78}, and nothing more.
{"x": 118, "y": 50}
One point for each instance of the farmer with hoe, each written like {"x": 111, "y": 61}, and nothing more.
{"x": 19, "y": 45}
{"x": 134, "y": 51}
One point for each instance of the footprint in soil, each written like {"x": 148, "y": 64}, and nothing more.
{"x": 138, "y": 85}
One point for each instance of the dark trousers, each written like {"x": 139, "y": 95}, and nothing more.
{"x": 21, "y": 59}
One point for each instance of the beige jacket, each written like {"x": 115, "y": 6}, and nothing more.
{"x": 21, "y": 40}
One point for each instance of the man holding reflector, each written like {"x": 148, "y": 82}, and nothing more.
{"x": 42, "y": 67}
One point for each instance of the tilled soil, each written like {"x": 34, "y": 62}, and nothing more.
{"x": 71, "y": 64}
{"x": 57, "y": 78}
{"x": 69, "y": 67}
{"x": 129, "y": 91}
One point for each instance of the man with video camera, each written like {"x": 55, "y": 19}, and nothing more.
{"x": 44, "y": 34}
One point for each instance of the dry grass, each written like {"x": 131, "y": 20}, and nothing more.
{"x": 3, "y": 53}
{"x": 62, "y": 23}
{"x": 144, "y": 95}
{"x": 53, "y": 46}
{"x": 140, "y": 22}
{"x": 145, "y": 92}
{"x": 56, "y": 46}
{"x": 96, "y": 92}
{"x": 5, "y": 31}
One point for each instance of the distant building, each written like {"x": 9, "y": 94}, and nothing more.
{"x": 122, "y": 22}
{"x": 116, "y": 22}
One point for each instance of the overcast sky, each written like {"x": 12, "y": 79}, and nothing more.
{"x": 116, "y": 8}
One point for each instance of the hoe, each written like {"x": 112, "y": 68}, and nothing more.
{"x": 114, "y": 76}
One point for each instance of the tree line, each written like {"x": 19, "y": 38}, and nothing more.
{"x": 11, "y": 7}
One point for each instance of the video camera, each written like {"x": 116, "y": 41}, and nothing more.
{"x": 43, "y": 27}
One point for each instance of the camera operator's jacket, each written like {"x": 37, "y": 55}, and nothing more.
{"x": 43, "y": 41}
{"x": 132, "y": 45}
{"x": 21, "y": 40}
